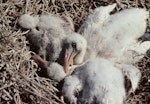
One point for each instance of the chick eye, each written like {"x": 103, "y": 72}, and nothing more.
{"x": 37, "y": 28}
{"x": 73, "y": 45}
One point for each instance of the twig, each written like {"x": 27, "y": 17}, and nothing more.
{"x": 7, "y": 93}
{"x": 42, "y": 89}
{"x": 5, "y": 86}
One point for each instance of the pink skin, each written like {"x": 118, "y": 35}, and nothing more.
{"x": 69, "y": 55}
{"x": 40, "y": 62}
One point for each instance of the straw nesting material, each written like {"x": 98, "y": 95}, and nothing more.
{"x": 19, "y": 83}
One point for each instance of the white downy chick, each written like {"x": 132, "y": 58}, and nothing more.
{"x": 108, "y": 37}
{"x": 91, "y": 83}
{"x": 29, "y": 22}
{"x": 116, "y": 37}
{"x": 47, "y": 34}
{"x": 46, "y": 39}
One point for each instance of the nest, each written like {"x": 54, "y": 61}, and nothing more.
{"x": 19, "y": 82}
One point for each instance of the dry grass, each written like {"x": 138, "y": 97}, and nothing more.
{"x": 19, "y": 83}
